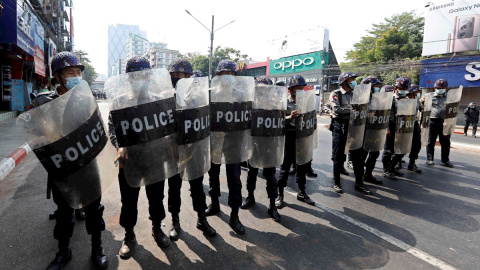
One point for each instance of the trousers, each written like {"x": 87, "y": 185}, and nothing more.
{"x": 269, "y": 173}
{"x": 436, "y": 130}
{"x": 233, "y": 181}
{"x": 289, "y": 158}
{"x": 196, "y": 192}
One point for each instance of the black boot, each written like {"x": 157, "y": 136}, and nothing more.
{"x": 311, "y": 172}
{"x": 80, "y": 214}
{"x": 128, "y": 245}
{"x": 279, "y": 201}
{"x": 249, "y": 201}
{"x": 213, "y": 208}
{"x": 363, "y": 189}
{"x": 372, "y": 179}
{"x": 53, "y": 215}
{"x": 159, "y": 236}
{"x": 413, "y": 167}
{"x": 64, "y": 255}
{"x": 343, "y": 171}
{"x": 175, "y": 230}
{"x": 202, "y": 225}
{"x": 303, "y": 197}
{"x": 273, "y": 212}
{"x": 98, "y": 256}
{"x": 235, "y": 223}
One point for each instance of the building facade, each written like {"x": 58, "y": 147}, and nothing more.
{"x": 159, "y": 55}
{"x": 136, "y": 46}
{"x": 117, "y": 44}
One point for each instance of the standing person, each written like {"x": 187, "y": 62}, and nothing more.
{"x": 182, "y": 68}
{"x": 390, "y": 159}
{"x": 295, "y": 83}
{"x": 471, "y": 117}
{"x": 415, "y": 93}
{"x": 129, "y": 195}
{"x": 437, "y": 117}
{"x": 67, "y": 70}
{"x": 339, "y": 103}
{"x": 269, "y": 174}
{"x": 226, "y": 67}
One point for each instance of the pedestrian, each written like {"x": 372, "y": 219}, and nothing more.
{"x": 390, "y": 158}
{"x": 233, "y": 170}
{"x": 182, "y": 68}
{"x": 471, "y": 117}
{"x": 296, "y": 83}
{"x": 437, "y": 117}
{"x": 67, "y": 69}
{"x": 269, "y": 174}
{"x": 340, "y": 108}
{"x": 414, "y": 92}
{"x": 129, "y": 195}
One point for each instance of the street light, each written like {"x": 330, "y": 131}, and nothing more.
{"x": 211, "y": 40}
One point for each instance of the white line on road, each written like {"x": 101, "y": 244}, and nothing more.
{"x": 392, "y": 240}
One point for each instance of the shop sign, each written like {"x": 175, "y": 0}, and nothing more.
{"x": 457, "y": 71}
{"x": 296, "y": 64}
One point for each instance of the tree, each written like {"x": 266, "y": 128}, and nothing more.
{"x": 89, "y": 74}
{"x": 200, "y": 62}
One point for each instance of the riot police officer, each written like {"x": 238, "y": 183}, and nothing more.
{"x": 390, "y": 158}
{"x": 67, "y": 70}
{"x": 437, "y": 117}
{"x": 269, "y": 174}
{"x": 295, "y": 83}
{"x": 129, "y": 195}
{"x": 414, "y": 92}
{"x": 182, "y": 68}
{"x": 471, "y": 117}
{"x": 226, "y": 67}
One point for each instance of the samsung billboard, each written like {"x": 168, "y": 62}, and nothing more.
{"x": 457, "y": 71}
{"x": 451, "y": 26}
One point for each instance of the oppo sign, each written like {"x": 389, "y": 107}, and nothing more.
{"x": 294, "y": 63}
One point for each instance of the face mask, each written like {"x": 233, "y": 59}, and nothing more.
{"x": 402, "y": 92}
{"x": 72, "y": 82}
{"x": 440, "y": 91}
{"x": 174, "y": 81}
{"x": 376, "y": 89}
{"x": 352, "y": 84}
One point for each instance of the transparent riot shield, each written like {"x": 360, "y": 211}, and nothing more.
{"x": 230, "y": 108}
{"x": 306, "y": 126}
{"x": 425, "y": 120}
{"x": 358, "y": 117}
{"x": 407, "y": 108}
{"x": 142, "y": 108}
{"x": 193, "y": 116}
{"x": 453, "y": 99}
{"x": 268, "y": 126}
{"x": 377, "y": 122}
{"x": 70, "y": 140}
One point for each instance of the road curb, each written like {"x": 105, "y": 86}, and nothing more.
{"x": 8, "y": 164}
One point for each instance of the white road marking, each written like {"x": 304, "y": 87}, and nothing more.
{"x": 392, "y": 240}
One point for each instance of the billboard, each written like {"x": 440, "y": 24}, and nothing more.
{"x": 301, "y": 42}
{"x": 297, "y": 63}
{"x": 17, "y": 25}
{"x": 39, "y": 49}
{"x": 451, "y": 26}
{"x": 457, "y": 71}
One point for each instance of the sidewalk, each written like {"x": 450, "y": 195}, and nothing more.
{"x": 12, "y": 147}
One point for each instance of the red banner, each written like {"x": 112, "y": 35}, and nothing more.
{"x": 39, "y": 61}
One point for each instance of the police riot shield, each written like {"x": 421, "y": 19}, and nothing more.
{"x": 69, "y": 138}
{"x": 268, "y": 126}
{"x": 230, "y": 107}
{"x": 377, "y": 121}
{"x": 358, "y": 117}
{"x": 407, "y": 108}
{"x": 306, "y": 126}
{"x": 193, "y": 128}
{"x": 425, "y": 119}
{"x": 453, "y": 99}
{"x": 142, "y": 108}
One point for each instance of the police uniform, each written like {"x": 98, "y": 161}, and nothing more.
{"x": 437, "y": 117}
{"x": 389, "y": 158}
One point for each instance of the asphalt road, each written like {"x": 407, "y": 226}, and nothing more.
{"x": 425, "y": 221}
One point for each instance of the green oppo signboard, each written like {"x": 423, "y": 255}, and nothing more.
{"x": 297, "y": 63}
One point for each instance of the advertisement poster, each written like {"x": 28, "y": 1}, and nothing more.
{"x": 6, "y": 73}
{"x": 17, "y": 101}
{"x": 451, "y": 27}
{"x": 308, "y": 40}
{"x": 52, "y": 51}
{"x": 25, "y": 23}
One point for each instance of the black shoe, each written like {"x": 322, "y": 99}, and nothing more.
{"x": 350, "y": 165}
{"x": 272, "y": 211}
{"x": 344, "y": 172}
{"x": 128, "y": 246}
{"x": 249, "y": 202}
{"x": 372, "y": 179}
{"x": 99, "y": 258}
{"x": 430, "y": 162}
{"x": 303, "y": 197}
{"x": 389, "y": 175}
{"x": 202, "y": 225}
{"x": 53, "y": 215}
{"x": 464, "y": 134}
{"x": 61, "y": 259}
{"x": 398, "y": 173}
{"x": 312, "y": 174}
{"x": 338, "y": 188}
{"x": 236, "y": 225}
{"x": 448, "y": 164}
{"x": 175, "y": 230}
{"x": 279, "y": 202}
{"x": 413, "y": 167}
{"x": 363, "y": 189}
{"x": 244, "y": 164}
{"x": 213, "y": 208}
{"x": 160, "y": 237}
{"x": 80, "y": 214}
